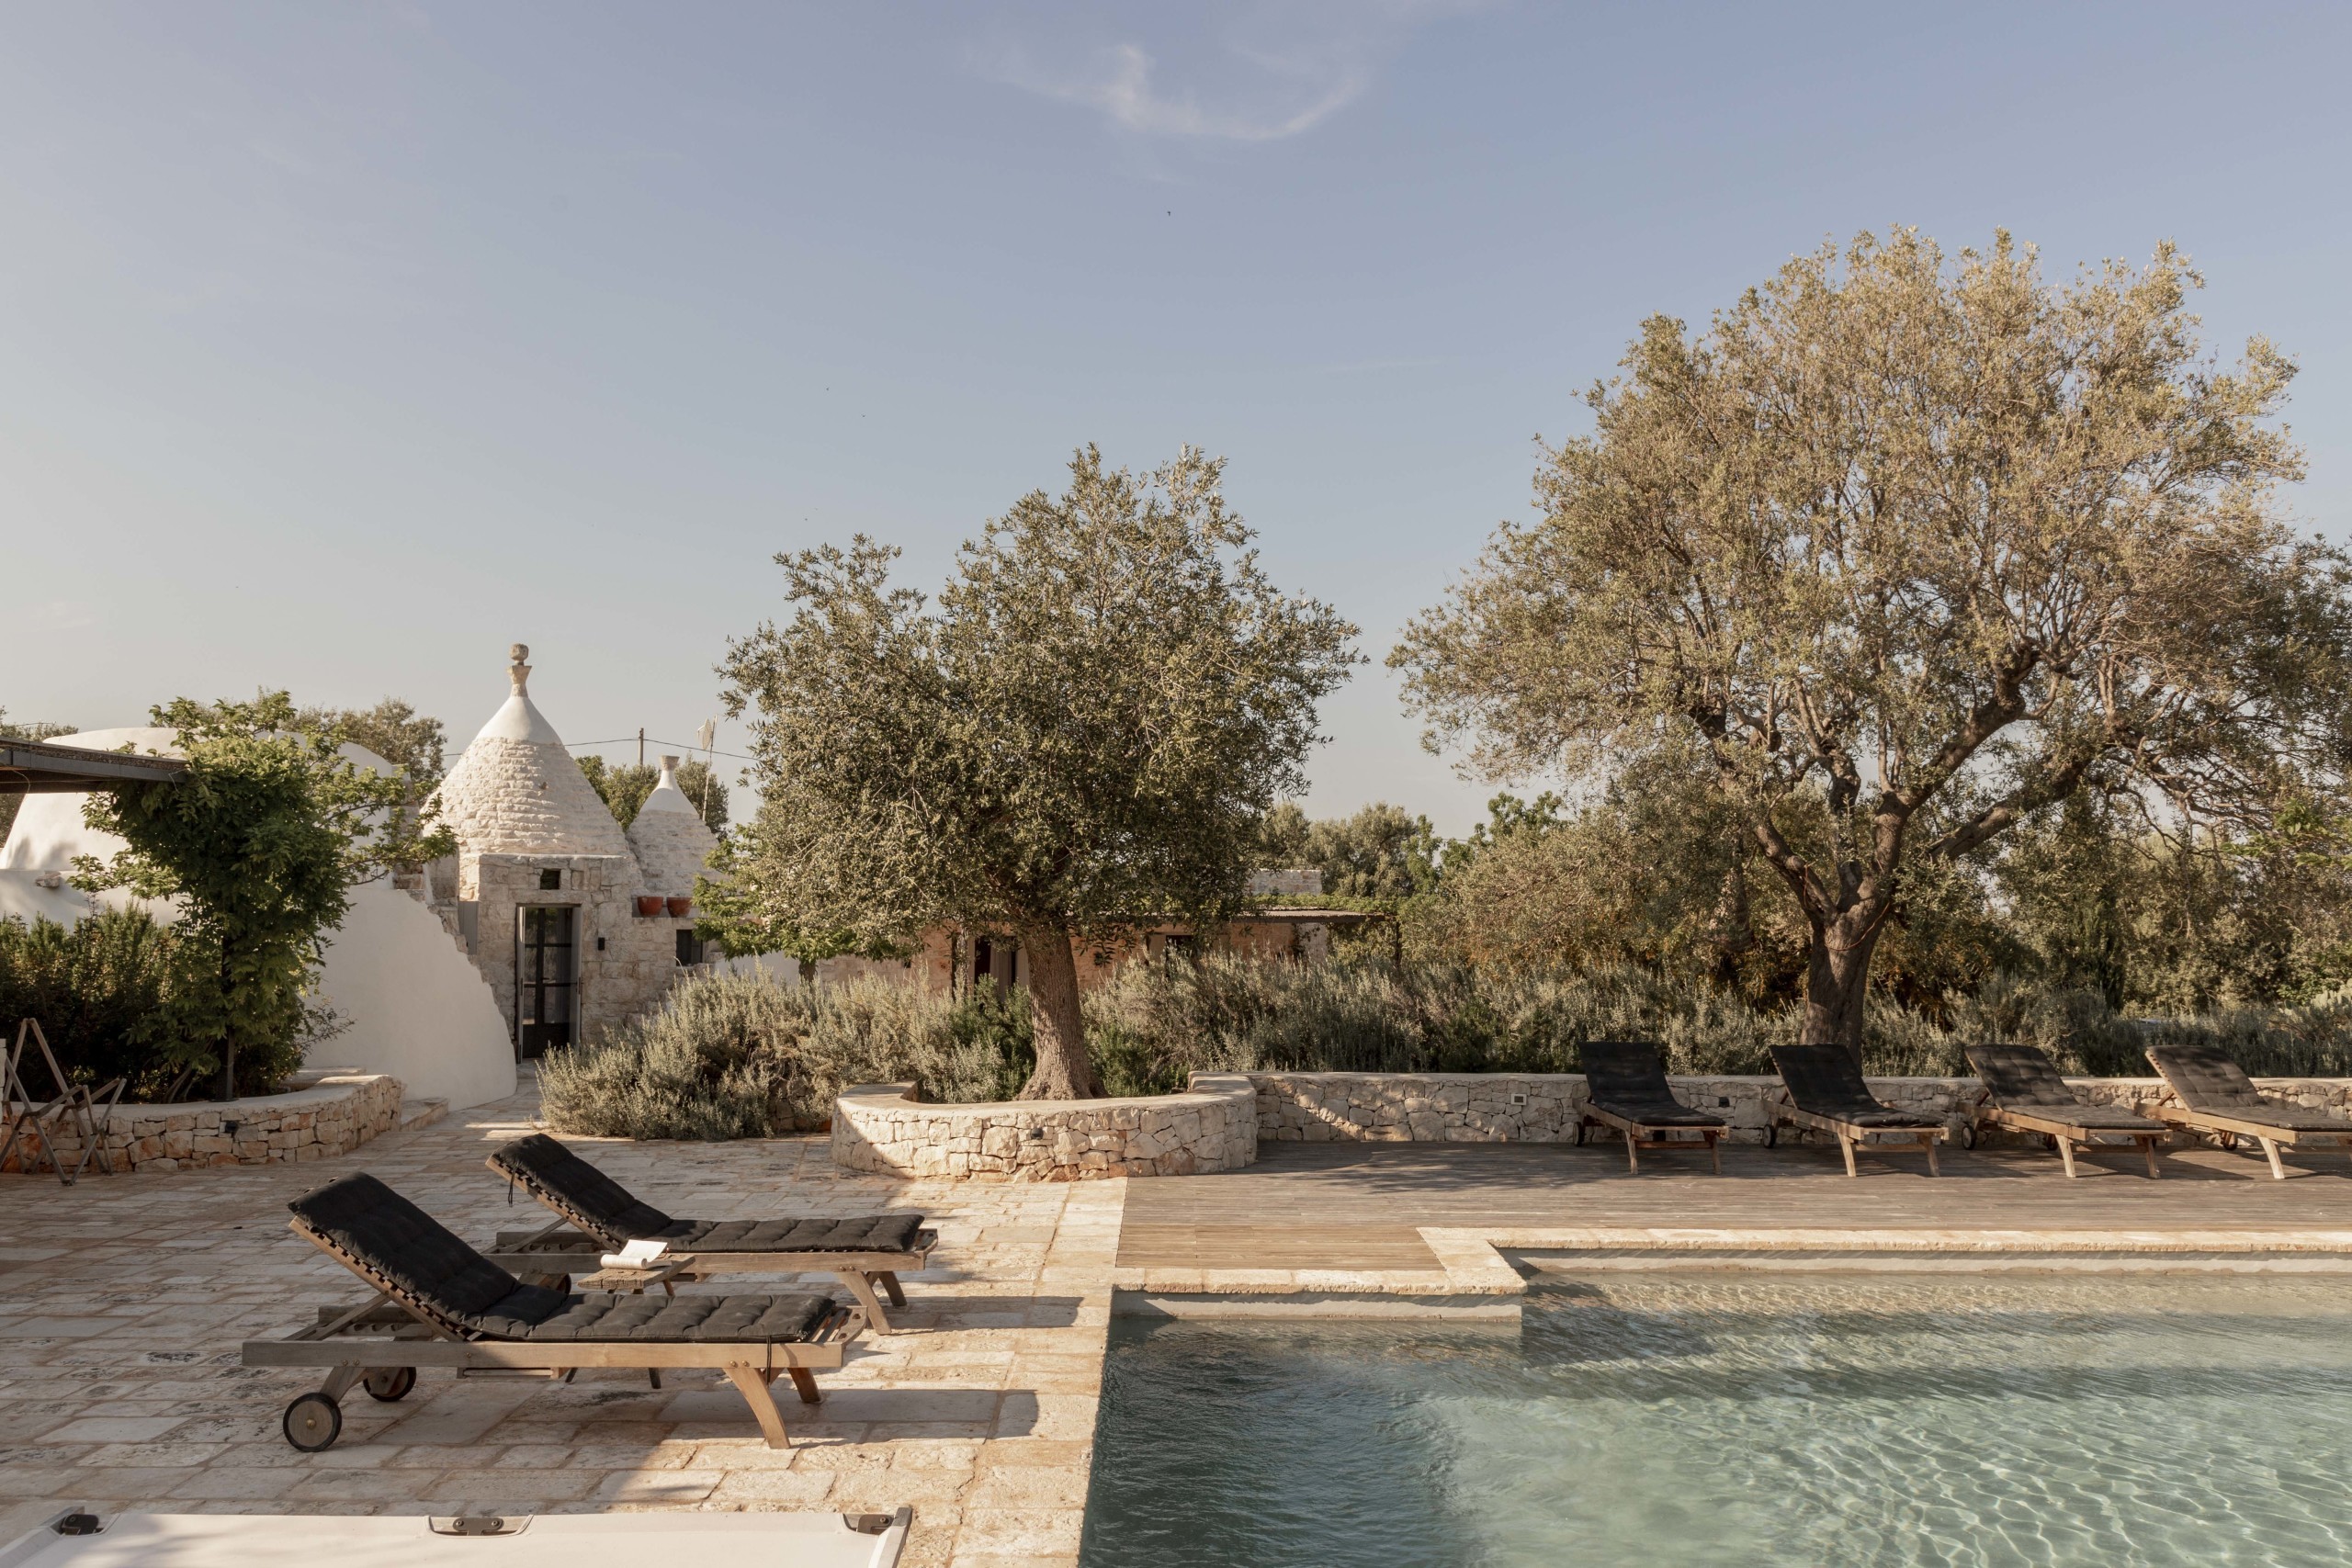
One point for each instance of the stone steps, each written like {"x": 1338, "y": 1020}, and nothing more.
{"x": 416, "y": 1114}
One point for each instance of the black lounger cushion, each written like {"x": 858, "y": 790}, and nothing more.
{"x": 615, "y": 1211}
{"x": 616, "y": 1215}
{"x": 409, "y": 1249}
{"x": 1626, "y": 1078}
{"x": 2021, "y": 1077}
{"x": 671, "y": 1320}
{"x": 868, "y": 1232}
{"x": 1828, "y": 1081}
{"x": 2207, "y": 1080}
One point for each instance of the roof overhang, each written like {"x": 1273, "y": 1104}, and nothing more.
{"x": 37, "y": 767}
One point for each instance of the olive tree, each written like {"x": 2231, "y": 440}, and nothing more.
{"x": 1080, "y": 734}
{"x": 1912, "y": 551}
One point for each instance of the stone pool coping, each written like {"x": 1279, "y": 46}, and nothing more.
{"x": 1475, "y": 1263}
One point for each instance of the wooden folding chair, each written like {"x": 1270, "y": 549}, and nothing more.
{"x": 29, "y": 1121}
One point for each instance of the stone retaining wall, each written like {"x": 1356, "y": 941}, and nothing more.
{"x": 1543, "y": 1108}
{"x": 335, "y": 1115}
{"x": 1213, "y": 1126}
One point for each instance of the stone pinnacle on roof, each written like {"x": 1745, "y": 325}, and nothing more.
{"x": 668, "y": 836}
{"x": 518, "y": 791}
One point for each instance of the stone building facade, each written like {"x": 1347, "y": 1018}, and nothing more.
{"x": 575, "y": 925}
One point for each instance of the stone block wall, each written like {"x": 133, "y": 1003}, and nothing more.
{"x": 1210, "y": 1127}
{"x": 627, "y": 977}
{"x": 334, "y": 1117}
{"x": 1543, "y": 1108}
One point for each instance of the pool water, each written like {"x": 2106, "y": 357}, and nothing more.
{"x": 1813, "y": 1420}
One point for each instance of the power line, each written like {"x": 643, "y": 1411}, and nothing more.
{"x": 685, "y": 745}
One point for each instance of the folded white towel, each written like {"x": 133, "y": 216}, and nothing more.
{"x": 639, "y": 1254}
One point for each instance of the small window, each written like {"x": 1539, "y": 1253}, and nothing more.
{"x": 689, "y": 947}
{"x": 550, "y": 880}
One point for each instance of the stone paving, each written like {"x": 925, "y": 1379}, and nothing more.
{"x": 123, "y": 1301}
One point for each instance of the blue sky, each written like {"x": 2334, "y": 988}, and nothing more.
{"x": 342, "y": 345}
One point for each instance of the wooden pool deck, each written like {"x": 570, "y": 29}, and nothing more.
{"x": 1366, "y": 1207}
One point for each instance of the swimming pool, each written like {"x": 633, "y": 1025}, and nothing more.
{"x": 1804, "y": 1421}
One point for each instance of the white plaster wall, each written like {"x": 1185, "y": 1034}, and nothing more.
{"x": 419, "y": 1009}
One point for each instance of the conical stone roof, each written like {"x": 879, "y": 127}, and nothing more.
{"x": 668, "y": 836}
{"x": 518, "y": 791}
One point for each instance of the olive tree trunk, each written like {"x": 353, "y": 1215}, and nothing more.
{"x": 1837, "y": 980}
{"x": 1064, "y": 1071}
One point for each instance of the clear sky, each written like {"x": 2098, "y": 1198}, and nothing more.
{"x": 341, "y": 346}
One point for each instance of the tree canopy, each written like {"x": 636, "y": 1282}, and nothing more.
{"x": 1382, "y": 853}
{"x": 1906, "y": 553}
{"x": 260, "y": 842}
{"x": 1082, "y": 733}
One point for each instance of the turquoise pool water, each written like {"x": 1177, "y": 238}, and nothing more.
{"x": 2154, "y": 1421}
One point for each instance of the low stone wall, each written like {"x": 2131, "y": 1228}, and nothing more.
{"x": 1543, "y": 1108}
{"x": 1213, "y": 1126}
{"x": 334, "y": 1116}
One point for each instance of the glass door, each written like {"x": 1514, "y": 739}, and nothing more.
{"x": 543, "y": 978}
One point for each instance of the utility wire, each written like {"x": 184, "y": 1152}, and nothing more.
{"x": 687, "y": 746}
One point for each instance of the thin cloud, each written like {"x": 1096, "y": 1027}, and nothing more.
{"x": 1264, "y": 77}
{"x": 1125, "y": 91}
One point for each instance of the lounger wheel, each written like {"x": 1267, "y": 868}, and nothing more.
{"x": 1968, "y": 1135}
{"x": 388, "y": 1384}
{"x": 1772, "y": 1134}
{"x": 313, "y": 1421}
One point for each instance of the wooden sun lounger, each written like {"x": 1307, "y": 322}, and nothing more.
{"x": 2217, "y": 1097}
{"x": 1626, "y": 1091}
{"x": 1826, "y": 1094}
{"x": 415, "y": 1320}
{"x": 599, "y": 1216}
{"x": 2028, "y": 1094}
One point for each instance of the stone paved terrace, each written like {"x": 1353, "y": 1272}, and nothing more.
{"x": 123, "y": 1300}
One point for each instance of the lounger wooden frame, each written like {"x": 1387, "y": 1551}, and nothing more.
{"x": 1849, "y": 1134}
{"x": 1640, "y": 1135}
{"x": 2230, "y": 1129}
{"x": 2069, "y": 1136}
{"x": 564, "y": 1249}
{"x": 395, "y": 1330}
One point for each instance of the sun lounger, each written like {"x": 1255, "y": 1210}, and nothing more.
{"x": 1826, "y": 1094}
{"x": 2217, "y": 1097}
{"x": 2025, "y": 1091}
{"x": 600, "y": 1215}
{"x": 1626, "y": 1088}
{"x": 441, "y": 1304}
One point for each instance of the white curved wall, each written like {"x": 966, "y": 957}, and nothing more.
{"x": 419, "y": 1009}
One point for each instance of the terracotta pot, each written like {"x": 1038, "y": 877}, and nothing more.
{"x": 648, "y": 903}
{"x": 682, "y": 907}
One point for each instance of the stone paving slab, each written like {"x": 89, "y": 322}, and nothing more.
{"x": 123, "y": 1302}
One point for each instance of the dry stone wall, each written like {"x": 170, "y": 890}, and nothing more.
{"x": 333, "y": 1117}
{"x": 1210, "y": 1127}
{"x": 1543, "y": 1108}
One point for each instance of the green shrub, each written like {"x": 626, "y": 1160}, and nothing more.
{"x": 120, "y": 996}
{"x": 740, "y": 1056}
